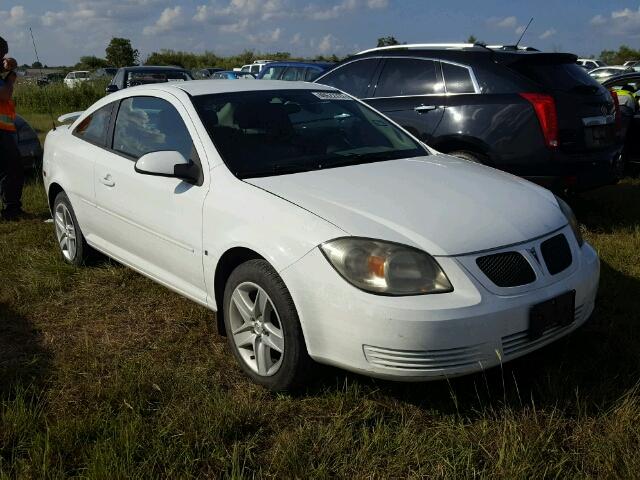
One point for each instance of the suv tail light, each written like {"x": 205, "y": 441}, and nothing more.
{"x": 545, "y": 108}
{"x": 616, "y": 103}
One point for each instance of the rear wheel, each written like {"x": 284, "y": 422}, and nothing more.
{"x": 263, "y": 329}
{"x": 71, "y": 242}
{"x": 467, "y": 155}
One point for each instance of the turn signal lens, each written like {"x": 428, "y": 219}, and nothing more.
{"x": 385, "y": 268}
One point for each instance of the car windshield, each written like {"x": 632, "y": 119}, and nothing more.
{"x": 265, "y": 133}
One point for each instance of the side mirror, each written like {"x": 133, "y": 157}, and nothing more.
{"x": 168, "y": 163}
{"x": 111, "y": 88}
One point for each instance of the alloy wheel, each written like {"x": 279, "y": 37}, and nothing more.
{"x": 65, "y": 232}
{"x": 256, "y": 329}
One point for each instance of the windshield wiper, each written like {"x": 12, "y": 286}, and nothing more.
{"x": 360, "y": 158}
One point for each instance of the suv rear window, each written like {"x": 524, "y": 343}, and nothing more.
{"x": 556, "y": 76}
{"x": 457, "y": 78}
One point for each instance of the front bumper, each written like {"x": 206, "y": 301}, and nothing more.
{"x": 425, "y": 337}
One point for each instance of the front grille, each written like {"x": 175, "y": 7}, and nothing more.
{"x": 507, "y": 269}
{"x": 556, "y": 254}
{"x": 425, "y": 360}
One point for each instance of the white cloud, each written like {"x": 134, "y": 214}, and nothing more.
{"x": 506, "y": 22}
{"x": 267, "y": 37}
{"x": 296, "y": 39}
{"x": 328, "y": 44}
{"x": 334, "y": 11}
{"x": 547, "y": 33}
{"x": 15, "y": 17}
{"x": 169, "y": 19}
{"x": 377, "y": 4}
{"x": 625, "y": 22}
{"x": 237, "y": 27}
{"x": 520, "y": 30}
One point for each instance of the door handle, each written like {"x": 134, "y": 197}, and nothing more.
{"x": 107, "y": 180}
{"x": 425, "y": 108}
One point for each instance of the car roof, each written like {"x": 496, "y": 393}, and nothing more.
{"x": 150, "y": 68}
{"x": 300, "y": 64}
{"x": 207, "y": 87}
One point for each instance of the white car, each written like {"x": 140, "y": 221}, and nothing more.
{"x": 590, "y": 64}
{"x": 318, "y": 229}
{"x": 74, "y": 78}
{"x": 602, "y": 73}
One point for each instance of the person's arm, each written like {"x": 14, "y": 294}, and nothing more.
{"x": 6, "y": 90}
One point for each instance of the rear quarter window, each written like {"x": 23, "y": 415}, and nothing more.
{"x": 93, "y": 128}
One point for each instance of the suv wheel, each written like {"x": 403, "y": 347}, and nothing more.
{"x": 467, "y": 155}
{"x": 263, "y": 329}
{"x": 71, "y": 242}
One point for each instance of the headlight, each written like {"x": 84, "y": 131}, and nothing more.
{"x": 385, "y": 268}
{"x": 573, "y": 221}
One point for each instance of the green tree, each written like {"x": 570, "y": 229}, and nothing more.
{"x": 36, "y": 65}
{"x": 624, "y": 53}
{"x": 120, "y": 53}
{"x": 472, "y": 39}
{"x": 91, "y": 62}
{"x": 387, "y": 41}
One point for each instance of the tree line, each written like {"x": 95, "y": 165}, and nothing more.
{"x": 120, "y": 53}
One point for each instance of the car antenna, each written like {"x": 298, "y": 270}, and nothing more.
{"x": 523, "y": 32}
{"x": 46, "y": 95}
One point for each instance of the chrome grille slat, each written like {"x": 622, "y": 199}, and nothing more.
{"x": 427, "y": 360}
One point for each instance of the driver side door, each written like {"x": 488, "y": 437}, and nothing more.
{"x": 152, "y": 223}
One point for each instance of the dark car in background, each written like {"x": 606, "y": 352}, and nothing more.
{"x": 294, "y": 71}
{"x": 29, "y": 145}
{"x": 232, "y": 75}
{"x": 132, "y": 76}
{"x": 205, "y": 73}
{"x": 533, "y": 114}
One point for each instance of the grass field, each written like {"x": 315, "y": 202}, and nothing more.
{"x": 104, "y": 374}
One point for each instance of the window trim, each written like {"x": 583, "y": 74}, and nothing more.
{"x": 106, "y": 142}
{"x": 474, "y": 80}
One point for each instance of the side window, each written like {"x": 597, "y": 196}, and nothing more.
{"x": 353, "y": 78}
{"x": 272, "y": 73}
{"x": 255, "y": 69}
{"x": 457, "y": 79}
{"x": 150, "y": 124}
{"x": 292, "y": 74}
{"x": 94, "y": 127}
{"x": 311, "y": 74}
{"x": 406, "y": 76}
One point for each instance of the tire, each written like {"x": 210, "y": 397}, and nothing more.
{"x": 467, "y": 155}
{"x": 257, "y": 333}
{"x": 71, "y": 242}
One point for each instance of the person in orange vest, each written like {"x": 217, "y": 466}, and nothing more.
{"x": 11, "y": 170}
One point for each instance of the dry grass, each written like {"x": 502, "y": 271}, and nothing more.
{"x": 104, "y": 374}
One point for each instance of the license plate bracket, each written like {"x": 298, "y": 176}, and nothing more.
{"x": 557, "y": 311}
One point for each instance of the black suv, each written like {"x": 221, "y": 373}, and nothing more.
{"x": 536, "y": 115}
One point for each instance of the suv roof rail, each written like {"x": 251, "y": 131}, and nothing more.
{"x": 421, "y": 45}
{"x": 451, "y": 46}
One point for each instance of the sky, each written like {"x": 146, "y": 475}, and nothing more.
{"x": 65, "y": 30}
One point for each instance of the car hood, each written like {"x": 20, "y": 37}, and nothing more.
{"x": 442, "y": 204}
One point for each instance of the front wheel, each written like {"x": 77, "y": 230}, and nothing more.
{"x": 71, "y": 242}
{"x": 263, "y": 329}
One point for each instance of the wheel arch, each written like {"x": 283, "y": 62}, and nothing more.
{"x": 451, "y": 143}
{"x": 228, "y": 262}
{"x": 54, "y": 190}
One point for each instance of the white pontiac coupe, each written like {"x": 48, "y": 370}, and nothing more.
{"x": 318, "y": 229}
